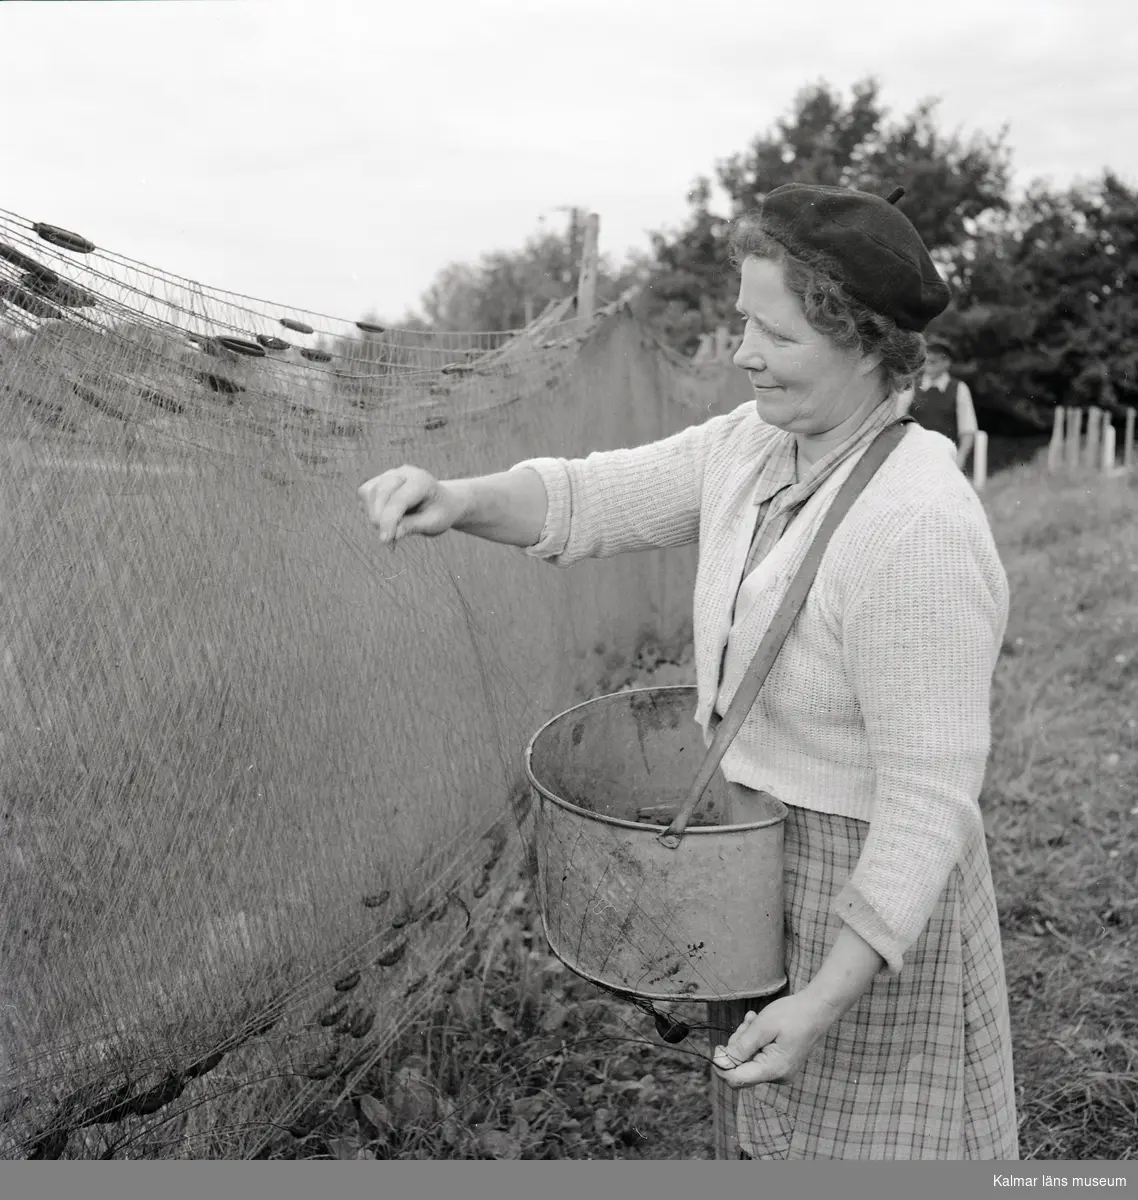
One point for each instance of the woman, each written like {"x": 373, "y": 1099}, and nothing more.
{"x": 873, "y": 726}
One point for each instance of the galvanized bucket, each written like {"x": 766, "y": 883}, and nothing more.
{"x": 700, "y": 922}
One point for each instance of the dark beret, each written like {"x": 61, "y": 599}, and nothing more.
{"x": 880, "y": 255}
{"x": 939, "y": 343}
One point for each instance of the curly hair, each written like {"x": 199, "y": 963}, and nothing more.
{"x": 816, "y": 279}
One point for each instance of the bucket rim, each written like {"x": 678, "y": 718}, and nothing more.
{"x": 779, "y": 816}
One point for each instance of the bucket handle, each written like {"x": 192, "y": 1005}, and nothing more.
{"x": 879, "y": 450}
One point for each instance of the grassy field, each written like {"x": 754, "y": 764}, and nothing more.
{"x": 1062, "y": 808}
{"x": 525, "y": 1060}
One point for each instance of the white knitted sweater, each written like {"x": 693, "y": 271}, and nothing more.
{"x": 878, "y": 705}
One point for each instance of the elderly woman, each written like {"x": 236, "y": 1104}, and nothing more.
{"x": 873, "y": 726}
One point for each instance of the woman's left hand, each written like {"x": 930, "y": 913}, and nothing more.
{"x": 773, "y": 1044}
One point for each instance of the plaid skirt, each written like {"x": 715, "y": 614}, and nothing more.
{"x": 921, "y": 1066}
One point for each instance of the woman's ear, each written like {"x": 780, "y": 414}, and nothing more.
{"x": 869, "y": 363}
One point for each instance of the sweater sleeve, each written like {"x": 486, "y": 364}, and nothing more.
{"x": 616, "y": 501}
{"x": 921, "y": 637}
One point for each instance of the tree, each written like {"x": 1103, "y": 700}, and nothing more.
{"x": 1083, "y": 260}
{"x": 691, "y": 287}
{"x": 1045, "y": 304}
{"x": 954, "y": 187}
{"x": 453, "y": 301}
{"x": 509, "y": 288}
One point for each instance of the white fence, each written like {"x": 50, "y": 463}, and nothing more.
{"x": 1085, "y": 438}
{"x": 979, "y": 456}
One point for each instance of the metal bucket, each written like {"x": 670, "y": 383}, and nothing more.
{"x": 701, "y": 922}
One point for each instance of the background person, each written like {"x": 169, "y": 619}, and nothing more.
{"x": 941, "y": 402}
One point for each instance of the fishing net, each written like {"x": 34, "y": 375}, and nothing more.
{"x": 260, "y": 775}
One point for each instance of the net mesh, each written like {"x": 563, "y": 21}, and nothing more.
{"x": 246, "y": 754}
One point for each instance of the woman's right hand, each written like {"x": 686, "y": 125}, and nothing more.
{"x": 409, "y": 500}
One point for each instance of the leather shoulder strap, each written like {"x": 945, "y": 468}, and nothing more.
{"x": 748, "y": 692}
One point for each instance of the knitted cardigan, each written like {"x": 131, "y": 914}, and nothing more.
{"x": 877, "y": 708}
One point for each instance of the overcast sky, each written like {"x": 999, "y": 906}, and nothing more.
{"x": 335, "y": 154}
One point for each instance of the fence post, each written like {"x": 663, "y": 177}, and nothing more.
{"x": 1108, "y": 449}
{"x": 1094, "y": 430}
{"x": 1074, "y": 436}
{"x": 1128, "y": 440}
{"x": 979, "y": 460}
{"x": 1055, "y": 448}
{"x": 587, "y": 279}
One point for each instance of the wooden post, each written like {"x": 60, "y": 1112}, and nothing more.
{"x": 704, "y": 351}
{"x": 1055, "y": 448}
{"x": 723, "y": 1018}
{"x": 587, "y": 279}
{"x": 1074, "y": 436}
{"x": 979, "y": 460}
{"x": 1128, "y": 440}
{"x": 1108, "y": 450}
{"x": 1094, "y": 431}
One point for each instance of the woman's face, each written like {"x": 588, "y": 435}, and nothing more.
{"x": 803, "y": 383}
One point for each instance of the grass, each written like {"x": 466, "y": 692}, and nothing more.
{"x": 1062, "y": 809}
{"x": 523, "y": 1060}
